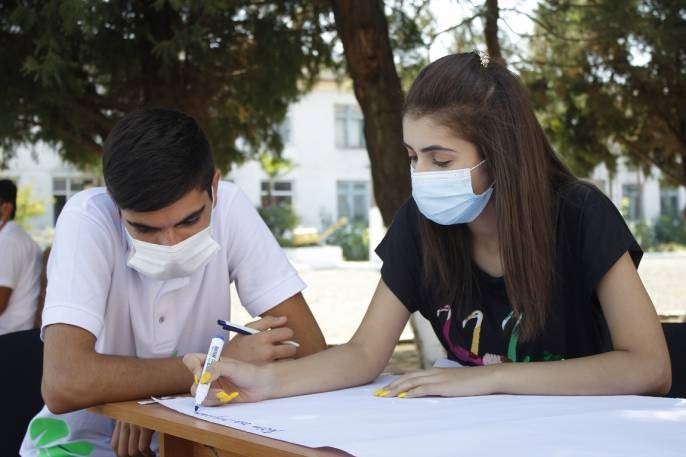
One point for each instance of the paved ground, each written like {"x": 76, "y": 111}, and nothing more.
{"x": 664, "y": 276}
{"x": 339, "y": 299}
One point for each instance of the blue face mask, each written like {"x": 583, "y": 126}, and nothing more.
{"x": 446, "y": 197}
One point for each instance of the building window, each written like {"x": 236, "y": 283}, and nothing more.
{"x": 349, "y": 127}
{"x": 353, "y": 200}
{"x": 63, "y": 189}
{"x": 669, "y": 202}
{"x": 632, "y": 196}
{"x": 281, "y": 193}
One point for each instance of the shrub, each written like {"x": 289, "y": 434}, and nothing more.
{"x": 667, "y": 233}
{"x": 281, "y": 220}
{"x": 643, "y": 232}
{"x": 354, "y": 239}
{"x": 670, "y": 230}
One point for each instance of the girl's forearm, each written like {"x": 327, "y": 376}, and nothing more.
{"x": 611, "y": 373}
{"x": 338, "y": 367}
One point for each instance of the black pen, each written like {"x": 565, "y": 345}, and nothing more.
{"x": 226, "y": 325}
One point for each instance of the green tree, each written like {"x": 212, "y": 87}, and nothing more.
{"x": 72, "y": 68}
{"x": 363, "y": 29}
{"x": 279, "y": 217}
{"x": 608, "y": 78}
{"x": 28, "y": 206}
{"x": 274, "y": 166}
{"x": 385, "y": 45}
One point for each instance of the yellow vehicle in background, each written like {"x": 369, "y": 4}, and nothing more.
{"x": 310, "y": 236}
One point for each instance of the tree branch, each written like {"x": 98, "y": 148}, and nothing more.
{"x": 464, "y": 22}
{"x": 492, "y": 14}
{"x": 667, "y": 171}
{"x": 543, "y": 25}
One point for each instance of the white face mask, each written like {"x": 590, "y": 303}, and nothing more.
{"x": 447, "y": 197}
{"x": 167, "y": 262}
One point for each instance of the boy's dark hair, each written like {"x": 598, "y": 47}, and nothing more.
{"x": 155, "y": 156}
{"x": 8, "y": 194}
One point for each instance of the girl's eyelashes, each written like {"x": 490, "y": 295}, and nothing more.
{"x": 441, "y": 164}
{"x": 438, "y": 163}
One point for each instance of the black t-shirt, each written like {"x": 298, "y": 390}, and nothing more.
{"x": 591, "y": 237}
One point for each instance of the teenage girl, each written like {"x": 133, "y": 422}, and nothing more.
{"x": 508, "y": 255}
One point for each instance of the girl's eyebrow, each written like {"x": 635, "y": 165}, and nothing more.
{"x": 430, "y": 148}
{"x": 409, "y": 147}
{"x": 437, "y": 147}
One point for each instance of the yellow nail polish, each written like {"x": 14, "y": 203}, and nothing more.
{"x": 382, "y": 392}
{"x": 195, "y": 378}
{"x": 402, "y": 395}
{"x": 224, "y": 397}
{"x": 205, "y": 378}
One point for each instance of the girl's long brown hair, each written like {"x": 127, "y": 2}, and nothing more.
{"x": 488, "y": 106}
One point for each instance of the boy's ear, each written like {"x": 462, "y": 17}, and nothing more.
{"x": 115, "y": 203}
{"x": 215, "y": 186}
{"x": 5, "y": 210}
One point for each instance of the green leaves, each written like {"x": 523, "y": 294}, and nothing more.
{"x": 80, "y": 448}
{"x": 74, "y": 67}
{"x": 608, "y": 79}
{"x": 47, "y": 430}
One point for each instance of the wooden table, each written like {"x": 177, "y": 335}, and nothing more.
{"x": 185, "y": 436}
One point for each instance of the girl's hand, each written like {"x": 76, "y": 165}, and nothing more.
{"x": 232, "y": 380}
{"x": 443, "y": 382}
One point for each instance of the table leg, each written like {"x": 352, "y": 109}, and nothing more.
{"x": 173, "y": 446}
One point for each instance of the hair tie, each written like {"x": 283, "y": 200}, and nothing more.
{"x": 484, "y": 58}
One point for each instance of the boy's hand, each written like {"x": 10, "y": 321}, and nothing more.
{"x": 263, "y": 347}
{"x": 130, "y": 440}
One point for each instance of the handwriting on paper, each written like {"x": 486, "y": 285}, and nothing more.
{"x": 229, "y": 420}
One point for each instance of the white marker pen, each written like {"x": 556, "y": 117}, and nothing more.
{"x": 213, "y": 354}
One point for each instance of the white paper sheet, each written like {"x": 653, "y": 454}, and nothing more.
{"x": 504, "y": 425}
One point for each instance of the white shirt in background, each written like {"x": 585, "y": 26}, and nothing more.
{"x": 20, "y": 269}
{"x": 90, "y": 286}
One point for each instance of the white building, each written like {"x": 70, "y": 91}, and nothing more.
{"x": 331, "y": 178}
{"x": 50, "y": 180}
{"x": 324, "y": 138}
{"x": 644, "y": 197}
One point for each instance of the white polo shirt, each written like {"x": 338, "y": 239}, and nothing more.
{"x": 90, "y": 286}
{"x": 20, "y": 268}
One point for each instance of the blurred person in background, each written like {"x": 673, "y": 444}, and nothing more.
{"x": 20, "y": 267}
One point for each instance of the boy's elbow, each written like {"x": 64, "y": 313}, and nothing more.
{"x": 60, "y": 396}
{"x": 53, "y": 398}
